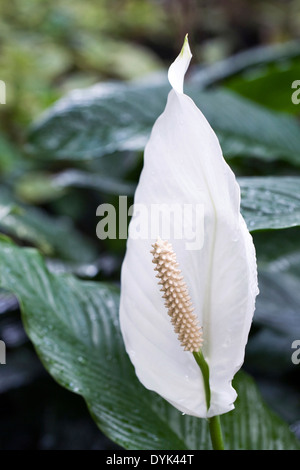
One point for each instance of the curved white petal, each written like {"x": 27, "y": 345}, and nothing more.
{"x": 183, "y": 164}
{"x": 179, "y": 67}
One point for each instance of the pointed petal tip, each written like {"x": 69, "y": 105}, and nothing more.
{"x": 186, "y": 51}
{"x": 179, "y": 67}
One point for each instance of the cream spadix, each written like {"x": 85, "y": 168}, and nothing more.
{"x": 176, "y": 296}
{"x": 183, "y": 164}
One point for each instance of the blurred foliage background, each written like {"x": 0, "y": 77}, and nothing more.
{"x": 48, "y": 49}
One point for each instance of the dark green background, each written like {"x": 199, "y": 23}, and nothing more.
{"x": 55, "y": 170}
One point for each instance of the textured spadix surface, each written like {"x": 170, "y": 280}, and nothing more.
{"x": 183, "y": 165}
{"x": 176, "y": 296}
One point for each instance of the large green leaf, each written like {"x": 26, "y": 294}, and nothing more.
{"x": 42, "y": 187}
{"x": 54, "y": 236}
{"x": 246, "y": 61}
{"x": 278, "y": 305}
{"x": 96, "y": 121}
{"x": 109, "y": 118}
{"x": 277, "y": 320}
{"x": 9, "y": 157}
{"x": 263, "y": 74}
{"x": 270, "y": 86}
{"x": 276, "y": 243}
{"x": 277, "y": 316}
{"x": 74, "y": 327}
{"x": 270, "y": 202}
{"x": 266, "y": 202}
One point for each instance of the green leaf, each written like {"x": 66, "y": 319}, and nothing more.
{"x": 277, "y": 320}
{"x": 277, "y": 309}
{"x": 116, "y": 117}
{"x": 121, "y": 59}
{"x": 270, "y": 202}
{"x": 7, "y": 208}
{"x": 10, "y": 159}
{"x": 74, "y": 327}
{"x": 270, "y": 86}
{"x": 36, "y": 187}
{"x": 269, "y": 244}
{"x": 102, "y": 183}
{"x": 245, "y": 61}
{"x": 54, "y": 236}
{"x": 248, "y": 129}
{"x": 42, "y": 187}
{"x": 98, "y": 120}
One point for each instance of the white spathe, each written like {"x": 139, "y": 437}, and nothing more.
{"x": 183, "y": 164}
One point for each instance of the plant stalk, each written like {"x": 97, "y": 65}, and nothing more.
{"x": 214, "y": 422}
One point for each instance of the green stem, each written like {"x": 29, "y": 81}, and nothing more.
{"x": 216, "y": 433}
{"x": 205, "y": 372}
{"x": 214, "y": 422}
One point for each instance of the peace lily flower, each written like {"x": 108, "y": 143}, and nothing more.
{"x": 208, "y": 292}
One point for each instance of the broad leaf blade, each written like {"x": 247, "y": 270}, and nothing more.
{"x": 269, "y": 86}
{"x": 97, "y": 121}
{"x": 270, "y": 202}
{"x": 42, "y": 187}
{"x": 241, "y": 62}
{"x": 109, "y": 118}
{"x": 54, "y": 236}
{"x": 277, "y": 314}
{"x": 74, "y": 327}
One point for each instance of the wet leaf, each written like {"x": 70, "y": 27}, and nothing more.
{"x": 116, "y": 117}
{"x": 270, "y": 202}
{"x": 75, "y": 329}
